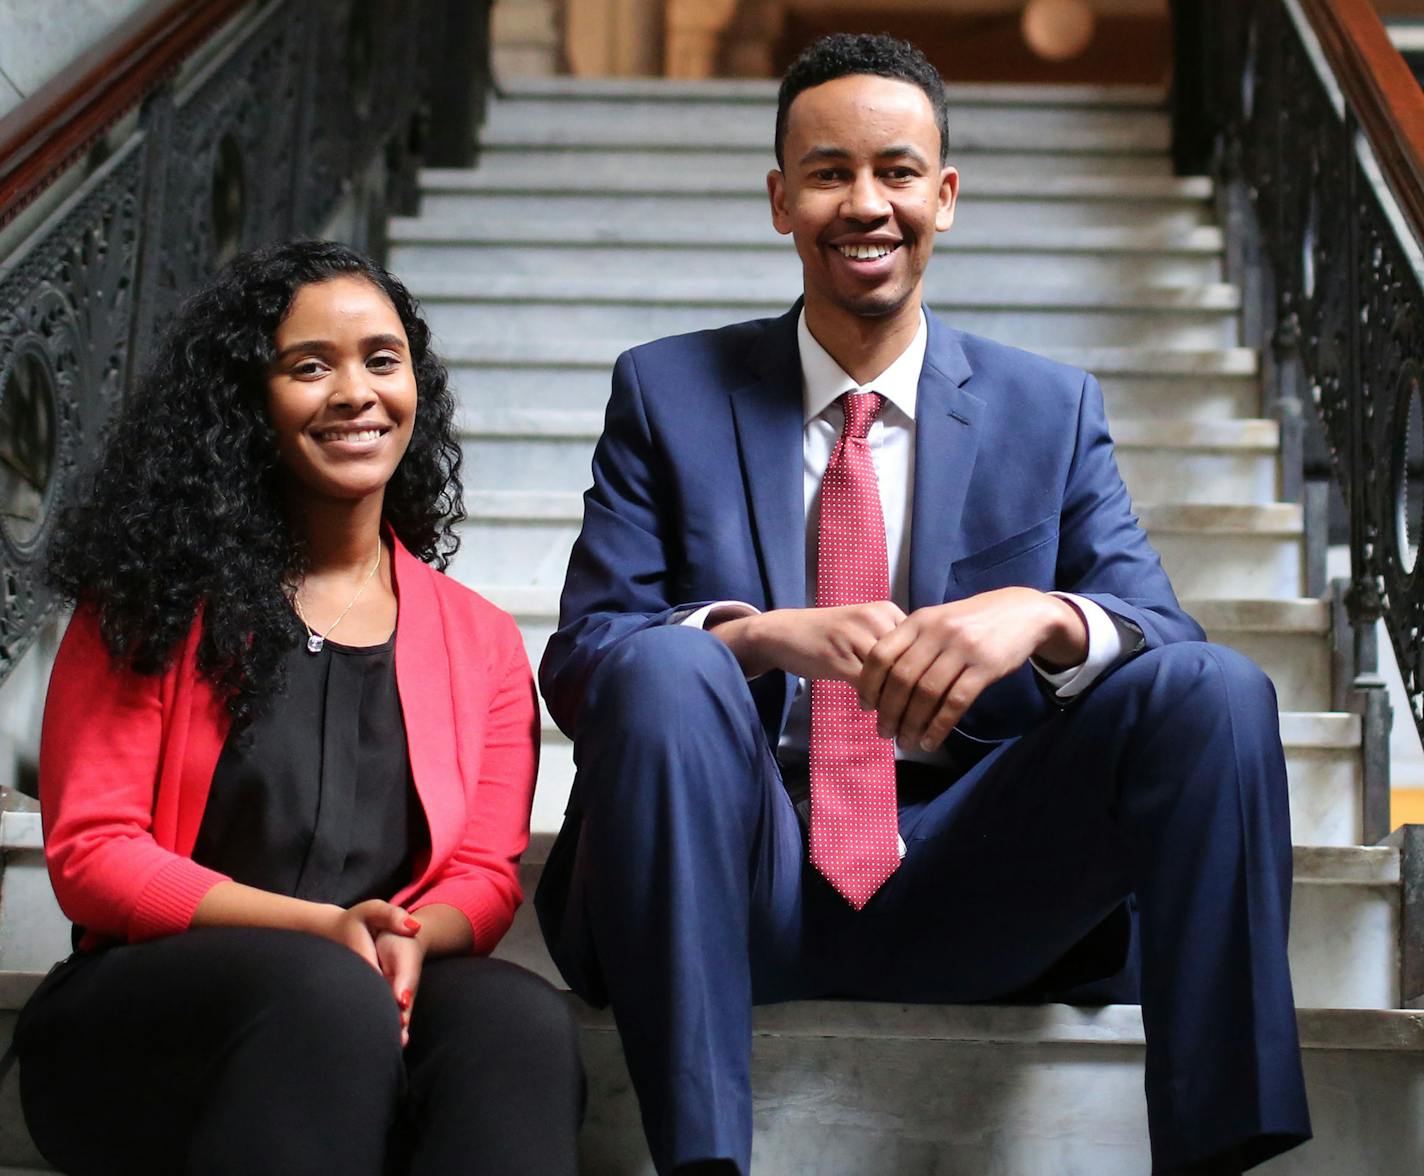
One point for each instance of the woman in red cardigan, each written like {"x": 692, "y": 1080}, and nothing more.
{"x": 286, "y": 770}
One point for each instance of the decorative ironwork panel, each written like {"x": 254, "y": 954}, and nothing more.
{"x": 231, "y": 153}
{"x": 66, "y": 310}
{"x": 1349, "y": 283}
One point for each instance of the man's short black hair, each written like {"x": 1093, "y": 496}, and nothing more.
{"x": 844, "y": 54}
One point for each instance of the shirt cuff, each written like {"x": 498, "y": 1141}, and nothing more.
{"x": 1109, "y": 638}
{"x": 718, "y": 611}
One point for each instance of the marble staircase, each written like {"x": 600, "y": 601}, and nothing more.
{"x": 605, "y": 213}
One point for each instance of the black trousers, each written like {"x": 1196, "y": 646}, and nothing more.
{"x": 238, "y": 1052}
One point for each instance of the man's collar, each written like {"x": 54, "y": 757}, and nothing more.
{"x": 823, "y": 380}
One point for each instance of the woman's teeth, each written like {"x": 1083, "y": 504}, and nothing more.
{"x": 348, "y": 435}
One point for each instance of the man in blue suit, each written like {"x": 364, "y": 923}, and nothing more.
{"x": 933, "y": 768}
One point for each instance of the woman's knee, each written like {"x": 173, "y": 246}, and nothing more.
{"x": 504, "y": 1007}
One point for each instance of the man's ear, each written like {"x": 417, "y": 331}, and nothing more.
{"x": 948, "y": 196}
{"x": 776, "y": 192}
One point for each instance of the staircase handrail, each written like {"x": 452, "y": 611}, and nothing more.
{"x": 1382, "y": 92}
{"x": 52, "y": 128}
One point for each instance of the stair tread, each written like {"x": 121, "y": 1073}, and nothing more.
{"x": 1231, "y": 435}
{"x": 763, "y": 92}
{"x": 1276, "y": 518}
{"x": 494, "y": 176}
{"x": 758, "y": 233}
{"x": 600, "y": 354}
{"x": 638, "y": 290}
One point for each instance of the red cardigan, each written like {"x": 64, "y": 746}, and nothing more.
{"x": 126, "y": 761}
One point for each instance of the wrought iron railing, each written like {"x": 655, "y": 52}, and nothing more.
{"x": 1313, "y": 126}
{"x": 301, "y": 109}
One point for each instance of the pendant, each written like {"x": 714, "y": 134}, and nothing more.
{"x": 315, "y": 642}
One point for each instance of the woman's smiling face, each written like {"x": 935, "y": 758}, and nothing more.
{"x": 341, "y": 393}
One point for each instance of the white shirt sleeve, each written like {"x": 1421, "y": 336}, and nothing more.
{"x": 1110, "y": 638}
{"x": 717, "y": 611}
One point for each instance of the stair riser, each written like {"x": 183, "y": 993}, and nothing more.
{"x": 1203, "y": 566}
{"x": 495, "y": 388}
{"x": 1227, "y": 567}
{"x": 952, "y": 268}
{"x": 1022, "y": 327}
{"x": 925, "y": 1107}
{"x": 578, "y": 165}
{"x": 1324, "y": 792}
{"x": 686, "y": 216}
{"x": 1298, "y": 664}
{"x": 1344, "y": 946}
{"x": 1152, "y": 476}
{"x": 33, "y": 932}
{"x": 591, "y": 122}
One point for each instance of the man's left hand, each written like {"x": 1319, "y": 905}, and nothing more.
{"x": 923, "y": 675}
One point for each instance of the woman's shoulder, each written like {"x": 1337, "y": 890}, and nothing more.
{"x": 463, "y": 603}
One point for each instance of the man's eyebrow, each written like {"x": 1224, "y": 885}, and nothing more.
{"x": 896, "y": 151}
{"x": 322, "y": 346}
{"x": 905, "y": 150}
{"x": 819, "y": 153}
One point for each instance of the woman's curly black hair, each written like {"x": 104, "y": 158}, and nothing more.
{"x": 186, "y": 510}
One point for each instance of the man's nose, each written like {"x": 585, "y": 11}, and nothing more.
{"x": 865, "y": 200}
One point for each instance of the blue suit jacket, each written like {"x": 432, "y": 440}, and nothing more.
{"x": 697, "y": 496}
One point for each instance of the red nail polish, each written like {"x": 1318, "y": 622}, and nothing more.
{"x": 411, "y": 925}
{"x": 405, "y": 999}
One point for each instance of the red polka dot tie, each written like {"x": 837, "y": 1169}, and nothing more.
{"x": 853, "y": 812}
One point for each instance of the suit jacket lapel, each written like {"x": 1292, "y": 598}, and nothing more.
{"x": 769, "y": 426}
{"x": 946, "y": 439}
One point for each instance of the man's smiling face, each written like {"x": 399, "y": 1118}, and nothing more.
{"x": 862, "y": 193}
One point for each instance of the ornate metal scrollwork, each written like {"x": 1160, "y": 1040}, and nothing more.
{"x": 260, "y": 144}
{"x": 1348, "y": 284}
{"x": 65, "y": 316}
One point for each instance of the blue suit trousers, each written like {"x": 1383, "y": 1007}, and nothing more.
{"x": 1166, "y": 782}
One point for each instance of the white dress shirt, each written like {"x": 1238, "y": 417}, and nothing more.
{"x": 892, "y": 448}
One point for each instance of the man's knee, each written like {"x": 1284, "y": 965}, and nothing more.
{"x": 658, "y": 679}
{"x": 1188, "y": 679}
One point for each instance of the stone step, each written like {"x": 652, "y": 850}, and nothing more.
{"x": 493, "y": 375}
{"x": 1229, "y": 551}
{"x": 1161, "y": 461}
{"x": 1344, "y": 945}
{"x": 754, "y": 231}
{"x": 694, "y": 214}
{"x": 587, "y": 120}
{"x": 1211, "y": 551}
{"x": 496, "y": 307}
{"x": 658, "y": 161}
{"x": 844, "y": 1088}
{"x": 752, "y": 91}
{"x": 701, "y": 173}
{"x": 772, "y": 261}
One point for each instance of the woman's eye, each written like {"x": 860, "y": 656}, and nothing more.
{"x": 383, "y": 363}
{"x": 307, "y": 368}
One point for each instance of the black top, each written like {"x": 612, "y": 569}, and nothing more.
{"x": 314, "y": 799}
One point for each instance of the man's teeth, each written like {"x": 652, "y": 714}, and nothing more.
{"x": 348, "y": 435}
{"x": 865, "y": 252}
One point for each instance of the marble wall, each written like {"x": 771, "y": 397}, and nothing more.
{"x": 37, "y": 40}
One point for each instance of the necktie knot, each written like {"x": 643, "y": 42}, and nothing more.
{"x": 861, "y": 409}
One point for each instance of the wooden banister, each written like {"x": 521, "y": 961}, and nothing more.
{"x": 53, "y": 127}
{"x": 1382, "y": 92}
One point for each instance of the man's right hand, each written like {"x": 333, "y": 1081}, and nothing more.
{"x": 825, "y": 643}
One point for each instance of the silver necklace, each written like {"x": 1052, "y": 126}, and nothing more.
{"x": 316, "y": 640}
